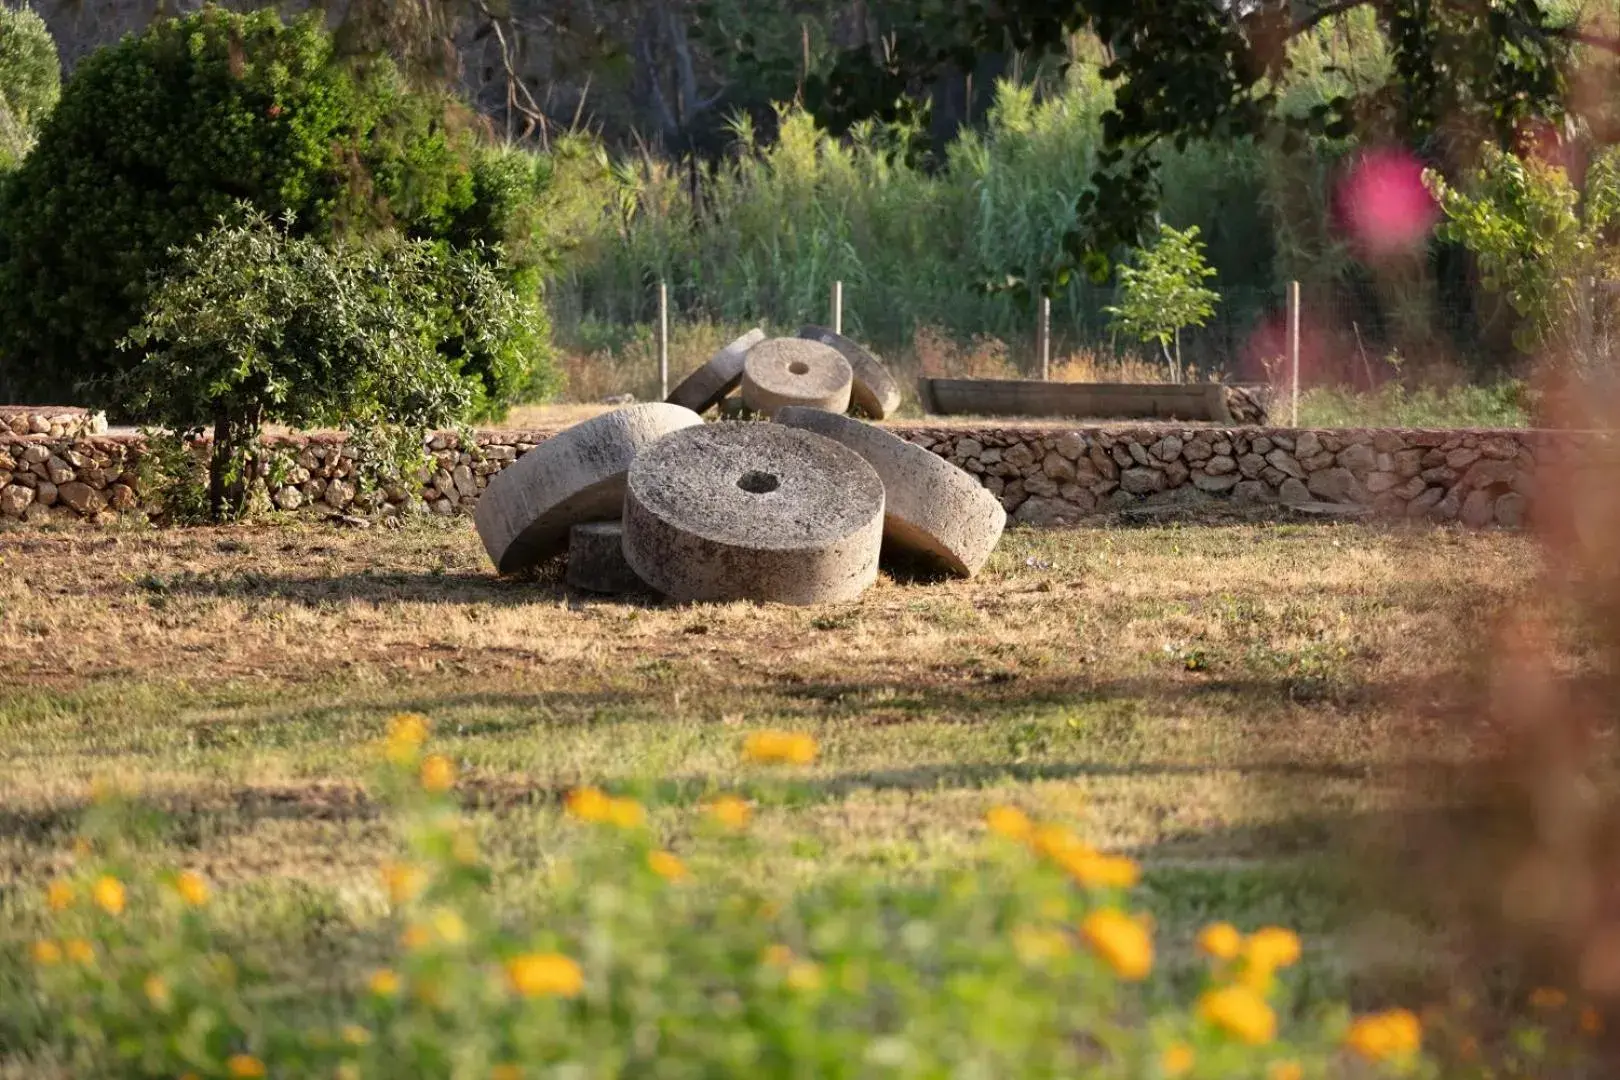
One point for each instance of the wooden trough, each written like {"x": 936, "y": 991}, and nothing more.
{"x": 1034, "y": 397}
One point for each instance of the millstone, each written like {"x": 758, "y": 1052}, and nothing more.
{"x": 931, "y": 507}
{"x": 577, "y": 475}
{"x": 708, "y": 385}
{"x": 753, "y": 512}
{"x": 596, "y": 559}
{"x": 792, "y": 371}
{"x": 874, "y": 391}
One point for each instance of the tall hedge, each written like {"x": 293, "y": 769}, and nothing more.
{"x": 158, "y": 136}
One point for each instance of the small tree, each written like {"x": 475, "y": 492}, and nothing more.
{"x": 1164, "y": 292}
{"x": 30, "y": 80}
{"x": 1539, "y": 242}
{"x": 257, "y": 325}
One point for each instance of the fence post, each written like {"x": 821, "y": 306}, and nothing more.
{"x": 663, "y": 341}
{"x": 838, "y": 307}
{"x": 1044, "y": 338}
{"x": 1293, "y": 348}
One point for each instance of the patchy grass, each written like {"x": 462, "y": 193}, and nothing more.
{"x": 1221, "y": 702}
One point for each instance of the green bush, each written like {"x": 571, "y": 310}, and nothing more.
{"x": 254, "y": 326}
{"x": 640, "y": 961}
{"x": 30, "y": 80}
{"x": 158, "y": 136}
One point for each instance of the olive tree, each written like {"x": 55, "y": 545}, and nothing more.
{"x": 255, "y": 324}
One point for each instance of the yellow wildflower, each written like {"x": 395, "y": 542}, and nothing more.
{"x": 779, "y": 748}
{"x": 1272, "y": 947}
{"x": 1177, "y": 1060}
{"x": 403, "y": 881}
{"x": 1285, "y": 1070}
{"x": 1220, "y": 941}
{"x": 505, "y": 1072}
{"x": 545, "y": 975}
{"x": 1010, "y": 822}
{"x": 777, "y": 956}
{"x": 244, "y": 1067}
{"x": 355, "y": 1035}
{"x": 406, "y": 734}
{"x": 1386, "y": 1035}
{"x": 1037, "y": 945}
{"x": 588, "y": 804}
{"x": 1546, "y": 997}
{"x": 449, "y": 926}
{"x": 1092, "y": 870}
{"x": 108, "y": 893}
{"x": 46, "y": 953}
{"x": 1057, "y": 843}
{"x": 731, "y": 812}
{"x": 626, "y": 813}
{"x": 803, "y": 975}
{"x": 193, "y": 889}
{"x": 416, "y": 937}
{"x": 1123, "y": 942}
{"x": 438, "y": 773}
{"x": 157, "y": 991}
{"x": 1240, "y": 1012}
{"x": 1591, "y": 1021}
{"x": 383, "y": 983}
{"x": 668, "y": 866}
{"x": 59, "y": 895}
{"x": 79, "y": 951}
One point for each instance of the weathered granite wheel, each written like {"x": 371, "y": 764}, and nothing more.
{"x": 791, "y": 371}
{"x": 578, "y": 475}
{"x": 708, "y": 385}
{"x": 931, "y": 508}
{"x": 753, "y": 512}
{"x": 874, "y": 391}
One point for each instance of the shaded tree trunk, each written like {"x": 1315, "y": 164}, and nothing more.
{"x": 233, "y": 463}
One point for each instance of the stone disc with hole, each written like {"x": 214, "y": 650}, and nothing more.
{"x": 874, "y": 391}
{"x": 932, "y": 509}
{"x": 753, "y": 512}
{"x": 576, "y": 475}
{"x": 708, "y": 385}
{"x": 596, "y": 560}
{"x": 792, "y": 371}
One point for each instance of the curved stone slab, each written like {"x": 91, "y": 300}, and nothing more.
{"x": 931, "y": 507}
{"x": 596, "y": 559}
{"x": 753, "y": 512}
{"x": 792, "y": 371}
{"x": 578, "y": 475}
{"x": 708, "y": 385}
{"x": 874, "y": 392}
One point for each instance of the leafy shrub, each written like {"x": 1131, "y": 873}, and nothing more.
{"x": 214, "y": 109}
{"x": 255, "y": 325}
{"x": 1029, "y": 963}
{"x": 30, "y": 80}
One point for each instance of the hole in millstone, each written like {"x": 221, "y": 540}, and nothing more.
{"x": 757, "y": 483}
{"x": 799, "y": 367}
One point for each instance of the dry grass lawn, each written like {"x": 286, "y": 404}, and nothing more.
{"x": 1223, "y": 701}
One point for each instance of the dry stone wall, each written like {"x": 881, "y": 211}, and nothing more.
{"x": 1049, "y": 475}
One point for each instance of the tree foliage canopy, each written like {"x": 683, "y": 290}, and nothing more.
{"x": 158, "y": 136}
{"x": 30, "y": 80}
{"x": 1164, "y": 291}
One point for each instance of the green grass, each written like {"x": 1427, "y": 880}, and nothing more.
{"x": 1503, "y": 405}
{"x": 1218, "y": 701}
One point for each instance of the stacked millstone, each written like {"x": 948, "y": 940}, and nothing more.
{"x": 650, "y": 498}
{"x": 818, "y": 368}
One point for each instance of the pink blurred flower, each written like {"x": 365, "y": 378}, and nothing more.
{"x": 1385, "y": 207}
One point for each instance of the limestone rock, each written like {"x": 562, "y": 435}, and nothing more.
{"x": 14, "y": 499}
{"x": 1140, "y": 481}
